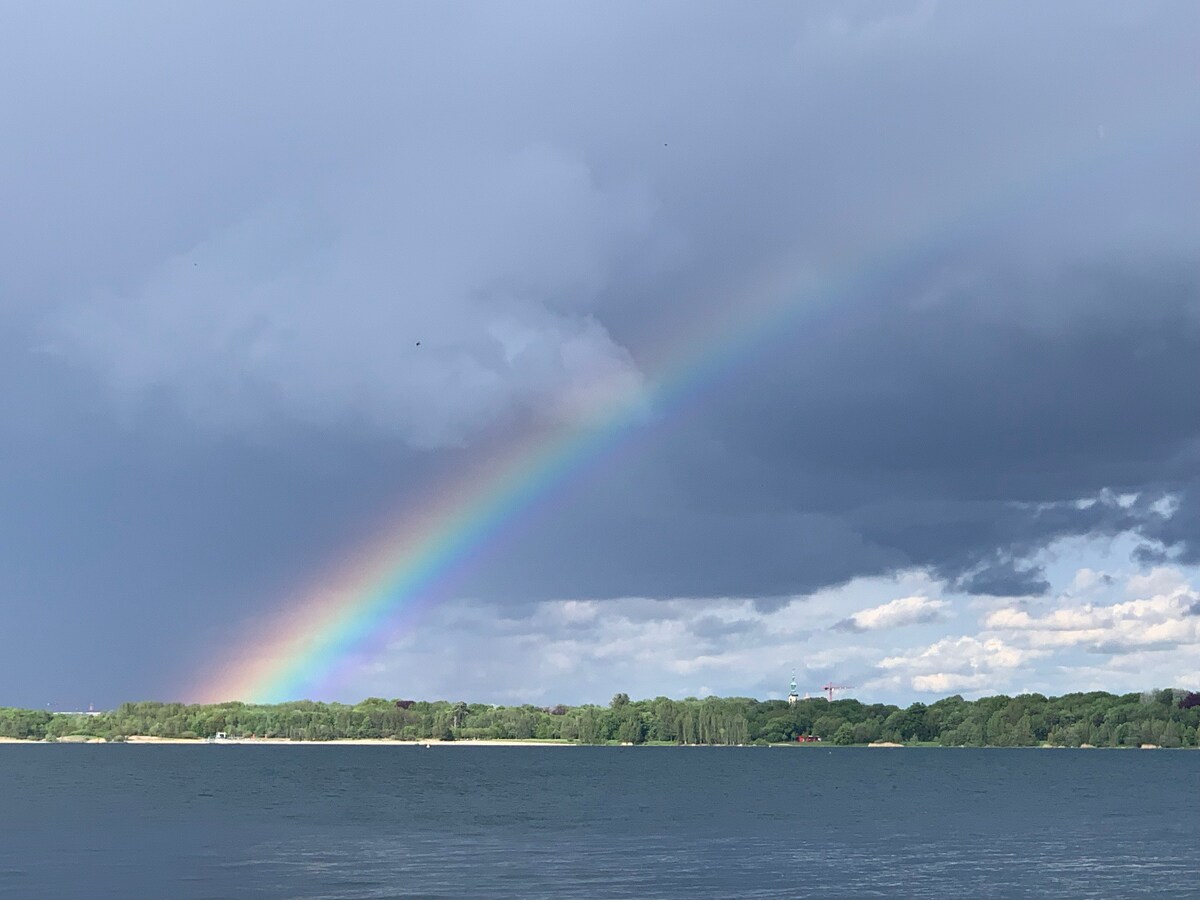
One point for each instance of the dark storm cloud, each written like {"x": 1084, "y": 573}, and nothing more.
{"x": 1177, "y": 535}
{"x": 141, "y": 543}
{"x": 962, "y": 442}
{"x": 942, "y": 435}
{"x": 1005, "y": 579}
{"x": 225, "y": 228}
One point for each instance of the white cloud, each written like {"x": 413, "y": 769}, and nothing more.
{"x": 960, "y": 654}
{"x": 894, "y": 614}
{"x": 577, "y": 611}
{"x": 959, "y": 663}
{"x": 1086, "y": 579}
{"x": 587, "y": 650}
{"x": 1166, "y": 506}
{"x": 952, "y": 682}
{"x": 1189, "y": 680}
{"x": 1159, "y": 581}
{"x": 1164, "y": 619}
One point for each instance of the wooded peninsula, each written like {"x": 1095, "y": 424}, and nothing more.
{"x": 1165, "y": 718}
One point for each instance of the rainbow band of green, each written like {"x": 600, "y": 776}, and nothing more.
{"x": 411, "y": 568}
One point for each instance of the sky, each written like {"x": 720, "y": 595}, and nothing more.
{"x": 900, "y": 302}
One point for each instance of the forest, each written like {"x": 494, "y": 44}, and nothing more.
{"x": 1165, "y": 718}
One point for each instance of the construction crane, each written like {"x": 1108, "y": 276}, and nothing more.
{"x": 831, "y": 687}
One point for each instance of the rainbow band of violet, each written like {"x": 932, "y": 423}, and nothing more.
{"x": 402, "y": 569}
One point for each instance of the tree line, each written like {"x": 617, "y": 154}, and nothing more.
{"x": 1166, "y": 718}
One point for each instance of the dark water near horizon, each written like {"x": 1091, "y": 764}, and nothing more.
{"x": 370, "y": 822}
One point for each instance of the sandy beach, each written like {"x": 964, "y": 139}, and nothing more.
{"x": 283, "y": 742}
{"x": 354, "y": 742}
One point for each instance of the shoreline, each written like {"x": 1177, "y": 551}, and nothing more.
{"x": 345, "y": 742}
{"x": 146, "y": 740}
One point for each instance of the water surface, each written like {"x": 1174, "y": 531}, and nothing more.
{"x": 528, "y": 822}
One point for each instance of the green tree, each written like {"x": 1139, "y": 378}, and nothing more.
{"x": 844, "y": 735}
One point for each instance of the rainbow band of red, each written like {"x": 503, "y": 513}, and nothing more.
{"x": 404, "y": 569}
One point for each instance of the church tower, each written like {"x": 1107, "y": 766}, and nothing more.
{"x": 793, "y": 697}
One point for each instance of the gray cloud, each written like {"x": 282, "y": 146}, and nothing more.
{"x": 416, "y": 308}
{"x": 225, "y": 229}
{"x": 713, "y": 628}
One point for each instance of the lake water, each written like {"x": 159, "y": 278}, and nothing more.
{"x": 367, "y": 822}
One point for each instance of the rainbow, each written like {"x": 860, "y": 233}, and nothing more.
{"x": 405, "y": 568}
{"x": 410, "y": 563}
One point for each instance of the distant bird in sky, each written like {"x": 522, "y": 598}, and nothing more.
{"x": 418, "y": 343}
